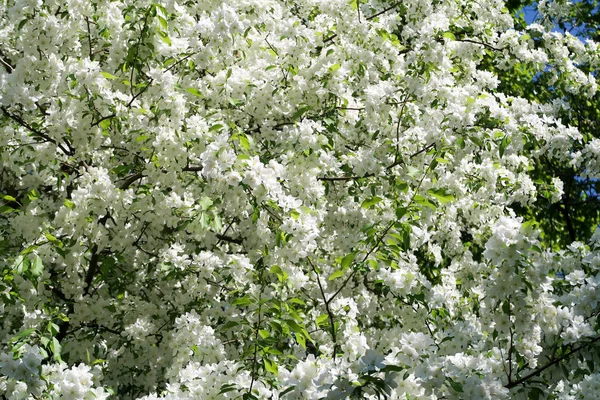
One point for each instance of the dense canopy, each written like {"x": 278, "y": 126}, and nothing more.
{"x": 277, "y": 199}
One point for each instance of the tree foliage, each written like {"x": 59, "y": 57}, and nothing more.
{"x": 272, "y": 199}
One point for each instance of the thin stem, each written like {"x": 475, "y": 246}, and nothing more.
{"x": 380, "y": 239}
{"x": 254, "y": 360}
{"x": 93, "y": 265}
{"x": 327, "y": 309}
{"x": 489, "y": 46}
{"x": 180, "y": 61}
{"x": 89, "y": 36}
{"x": 394, "y": 164}
{"x": 396, "y": 4}
{"x": 137, "y": 49}
{"x": 9, "y": 68}
{"x": 36, "y": 132}
{"x": 138, "y": 175}
{"x": 330, "y": 38}
{"x": 550, "y": 364}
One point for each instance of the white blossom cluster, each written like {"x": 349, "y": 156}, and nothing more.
{"x": 275, "y": 199}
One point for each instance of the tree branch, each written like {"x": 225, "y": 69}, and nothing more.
{"x": 138, "y": 175}
{"x": 394, "y": 164}
{"x": 327, "y": 309}
{"x": 550, "y": 364}
{"x": 489, "y": 46}
{"x": 380, "y": 239}
{"x": 36, "y": 132}
{"x": 330, "y": 38}
{"x": 89, "y": 37}
{"x": 93, "y": 265}
{"x": 9, "y": 68}
{"x": 229, "y": 239}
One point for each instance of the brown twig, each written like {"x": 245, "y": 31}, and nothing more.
{"x": 327, "y": 309}
{"x": 138, "y": 175}
{"x": 394, "y": 164}
{"x": 93, "y": 265}
{"x": 9, "y": 68}
{"x": 489, "y": 46}
{"x": 380, "y": 239}
{"x": 330, "y": 38}
{"x": 36, "y": 132}
{"x": 550, "y": 364}
{"x": 89, "y": 35}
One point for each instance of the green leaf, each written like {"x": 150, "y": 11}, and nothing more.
{"x": 335, "y": 67}
{"x": 401, "y": 212}
{"x": 506, "y": 307}
{"x": 56, "y": 349}
{"x": 244, "y": 142}
{"x": 229, "y": 325}
{"x": 69, "y": 204}
{"x": 300, "y": 112}
{"x": 406, "y": 231}
{"x": 442, "y": 195}
{"x": 163, "y": 22}
{"x": 449, "y": 35}
{"x": 286, "y": 391}
{"x": 228, "y": 388}
{"x": 108, "y": 75}
{"x": 276, "y": 269}
{"x": 322, "y": 319}
{"x": 335, "y": 275}
{"x": 21, "y": 265}
{"x": 402, "y": 186}
{"x": 296, "y": 328}
{"x": 33, "y": 195}
{"x": 456, "y": 386}
{"x": 37, "y": 267}
{"x": 368, "y": 203}
{"x": 263, "y": 333}
{"x": 236, "y": 102}
{"x": 504, "y": 144}
{"x": 53, "y": 329}
{"x": 347, "y": 260}
{"x": 22, "y": 335}
{"x": 535, "y": 393}
{"x": 392, "y": 368}
{"x": 164, "y": 37}
{"x": 9, "y": 198}
{"x": 205, "y": 202}
{"x": 372, "y": 264}
{"x": 194, "y": 91}
{"x": 298, "y": 301}
{"x": 216, "y": 127}
{"x": 52, "y": 239}
{"x": 424, "y": 202}
{"x": 301, "y": 340}
{"x": 105, "y": 124}
{"x": 242, "y": 301}
{"x": 270, "y": 366}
